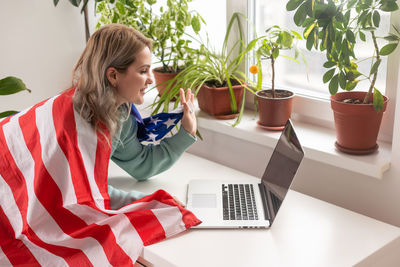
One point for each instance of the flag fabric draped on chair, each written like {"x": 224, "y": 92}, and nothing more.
{"x": 155, "y": 127}
{"x": 54, "y": 204}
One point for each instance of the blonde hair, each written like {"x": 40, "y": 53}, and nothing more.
{"x": 95, "y": 99}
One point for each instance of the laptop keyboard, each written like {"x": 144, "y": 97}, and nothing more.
{"x": 239, "y": 202}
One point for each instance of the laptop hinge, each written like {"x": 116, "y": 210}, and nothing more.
{"x": 264, "y": 199}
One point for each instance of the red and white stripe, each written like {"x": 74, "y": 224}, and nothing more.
{"x": 54, "y": 205}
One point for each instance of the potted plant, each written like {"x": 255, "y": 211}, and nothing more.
{"x": 11, "y": 85}
{"x": 335, "y": 27}
{"x": 217, "y": 82}
{"x": 274, "y": 105}
{"x": 167, "y": 28}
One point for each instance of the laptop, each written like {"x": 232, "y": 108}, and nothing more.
{"x": 244, "y": 204}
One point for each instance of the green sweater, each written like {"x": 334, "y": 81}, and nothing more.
{"x": 143, "y": 161}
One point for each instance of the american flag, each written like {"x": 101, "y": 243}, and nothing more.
{"x": 54, "y": 205}
{"x": 155, "y": 127}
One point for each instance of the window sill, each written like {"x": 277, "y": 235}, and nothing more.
{"x": 318, "y": 142}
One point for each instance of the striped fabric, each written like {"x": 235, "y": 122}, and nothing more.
{"x": 54, "y": 205}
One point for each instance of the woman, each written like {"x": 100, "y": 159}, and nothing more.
{"x": 112, "y": 72}
{"x": 56, "y": 208}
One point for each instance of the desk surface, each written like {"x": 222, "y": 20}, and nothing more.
{"x": 306, "y": 232}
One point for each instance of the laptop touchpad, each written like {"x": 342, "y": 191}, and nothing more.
{"x": 204, "y": 201}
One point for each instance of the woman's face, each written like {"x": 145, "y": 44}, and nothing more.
{"x": 131, "y": 85}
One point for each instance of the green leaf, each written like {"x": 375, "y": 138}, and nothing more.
{"x": 300, "y": 15}
{"x": 293, "y": 4}
{"x": 389, "y": 6}
{"x": 378, "y": 100}
{"x": 275, "y": 53}
{"x": 310, "y": 40}
{"x": 309, "y": 29}
{"x": 351, "y": 85}
{"x": 7, "y": 113}
{"x": 375, "y": 67}
{"x": 11, "y": 85}
{"x": 328, "y": 75}
{"x": 75, "y": 2}
{"x": 376, "y": 18}
{"x": 350, "y": 36}
{"x": 388, "y": 49}
{"x": 392, "y": 38}
{"x": 333, "y": 85}
{"x": 196, "y": 24}
{"x": 286, "y": 39}
{"x": 120, "y": 7}
{"x": 329, "y": 64}
{"x": 56, "y": 2}
{"x": 362, "y": 36}
{"x": 342, "y": 80}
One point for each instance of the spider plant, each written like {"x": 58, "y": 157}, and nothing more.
{"x": 215, "y": 69}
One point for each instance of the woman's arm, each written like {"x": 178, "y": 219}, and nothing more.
{"x": 143, "y": 161}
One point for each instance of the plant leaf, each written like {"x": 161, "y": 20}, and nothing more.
{"x": 300, "y": 15}
{"x": 75, "y": 2}
{"x": 11, "y": 85}
{"x": 328, "y": 75}
{"x": 342, "y": 80}
{"x": 333, "y": 85}
{"x": 376, "y": 18}
{"x": 375, "y": 67}
{"x": 310, "y": 40}
{"x": 293, "y": 4}
{"x": 362, "y": 36}
{"x": 378, "y": 100}
{"x": 388, "y": 49}
{"x": 329, "y": 64}
{"x": 7, "y": 113}
{"x": 196, "y": 24}
{"x": 350, "y": 36}
{"x": 389, "y": 6}
{"x": 56, "y": 2}
{"x": 351, "y": 85}
{"x": 275, "y": 53}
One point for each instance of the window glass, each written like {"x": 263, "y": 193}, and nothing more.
{"x": 307, "y": 78}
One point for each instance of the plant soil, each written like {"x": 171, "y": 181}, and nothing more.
{"x": 217, "y": 84}
{"x": 278, "y": 94}
{"x": 354, "y": 101}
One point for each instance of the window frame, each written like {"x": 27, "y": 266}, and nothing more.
{"x": 315, "y": 108}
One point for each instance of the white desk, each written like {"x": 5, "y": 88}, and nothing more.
{"x": 306, "y": 232}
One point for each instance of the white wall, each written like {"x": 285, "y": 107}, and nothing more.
{"x": 40, "y": 44}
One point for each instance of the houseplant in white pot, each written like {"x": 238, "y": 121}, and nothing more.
{"x": 335, "y": 27}
{"x": 274, "y": 105}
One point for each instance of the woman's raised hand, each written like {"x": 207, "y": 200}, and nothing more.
{"x": 189, "y": 118}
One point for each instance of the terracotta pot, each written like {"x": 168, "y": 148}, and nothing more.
{"x": 162, "y": 79}
{"x": 357, "y": 125}
{"x": 274, "y": 112}
{"x": 216, "y": 101}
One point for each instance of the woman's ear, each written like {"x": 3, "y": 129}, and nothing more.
{"x": 111, "y": 74}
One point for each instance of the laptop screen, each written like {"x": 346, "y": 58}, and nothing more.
{"x": 281, "y": 168}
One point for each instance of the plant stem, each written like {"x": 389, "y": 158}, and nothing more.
{"x": 273, "y": 74}
{"x": 371, "y": 87}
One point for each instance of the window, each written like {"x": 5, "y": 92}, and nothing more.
{"x": 312, "y": 102}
